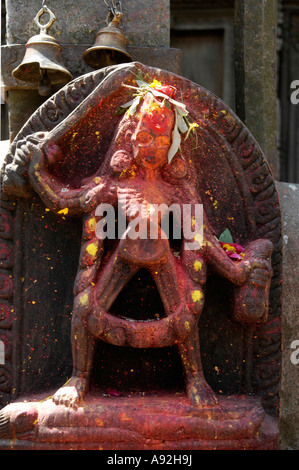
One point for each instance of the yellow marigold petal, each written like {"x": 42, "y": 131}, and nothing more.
{"x": 63, "y": 211}
{"x": 83, "y": 299}
{"x": 92, "y": 224}
{"x": 197, "y": 265}
{"x": 92, "y": 249}
{"x": 196, "y": 295}
{"x": 228, "y": 247}
{"x": 155, "y": 83}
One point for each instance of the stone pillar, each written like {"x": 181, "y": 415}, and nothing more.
{"x": 255, "y": 69}
{"x": 289, "y": 410}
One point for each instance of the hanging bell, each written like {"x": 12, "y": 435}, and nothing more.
{"x": 109, "y": 47}
{"x": 42, "y": 63}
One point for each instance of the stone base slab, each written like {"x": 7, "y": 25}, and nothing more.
{"x": 138, "y": 422}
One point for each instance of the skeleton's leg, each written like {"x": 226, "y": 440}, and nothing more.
{"x": 113, "y": 278}
{"x": 166, "y": 276}
{"x": 83, "y": 345}
{"x": 198, "y": 391}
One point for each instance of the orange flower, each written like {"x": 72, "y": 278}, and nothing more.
{"x": 233, "y": 250}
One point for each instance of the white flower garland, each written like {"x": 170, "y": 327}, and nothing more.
{"x": 182, "y": 125}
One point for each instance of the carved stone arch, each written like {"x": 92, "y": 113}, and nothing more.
{"x": 248, "y": 205}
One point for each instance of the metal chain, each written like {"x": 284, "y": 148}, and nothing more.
{"x": 115, "y": 7}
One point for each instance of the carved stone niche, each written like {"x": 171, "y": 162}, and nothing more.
{"x": 164, "y": 347}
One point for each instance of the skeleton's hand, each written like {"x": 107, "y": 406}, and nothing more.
{"x": 53, "y": 153}
{"x": 22, "y": 153}
{"x": 261, "y": 273}
{"x": 256, "y": 271}
{"x": 243, "y": 270}
{"x": 34, "y": 143}
{"x": 47, "y": 154}
{"x": 28, "y": 149}
{"x": 14, "y": 178}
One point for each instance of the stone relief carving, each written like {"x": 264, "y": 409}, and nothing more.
{"x": 175, "y": 144}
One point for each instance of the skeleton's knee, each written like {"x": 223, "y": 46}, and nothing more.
{"x": 196, "y": 300}
{"x": 78, "y": 323}
{"x": 82, "y": 306}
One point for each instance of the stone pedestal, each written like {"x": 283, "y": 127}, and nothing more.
{"x": 138, "y": 422}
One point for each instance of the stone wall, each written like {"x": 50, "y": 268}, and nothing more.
{"x": 145, "y": 23}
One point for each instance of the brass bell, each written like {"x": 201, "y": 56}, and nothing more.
{"x": 42, "y": 63}
{"x": 109, "y": 47}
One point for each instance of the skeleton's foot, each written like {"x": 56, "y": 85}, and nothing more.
{"x": 200, "y": 393}
{"x": 71, "y": 393}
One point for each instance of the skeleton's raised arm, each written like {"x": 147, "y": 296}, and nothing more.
{"x": 56, "y": 195}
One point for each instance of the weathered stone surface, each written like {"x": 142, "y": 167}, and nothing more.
{"x": 23, "y": 103}
{"x": 138, "y": 422}
{"x": 255, "y": 70}
{"x": 289, "y": 415}
{"x": 144, "y": 23}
